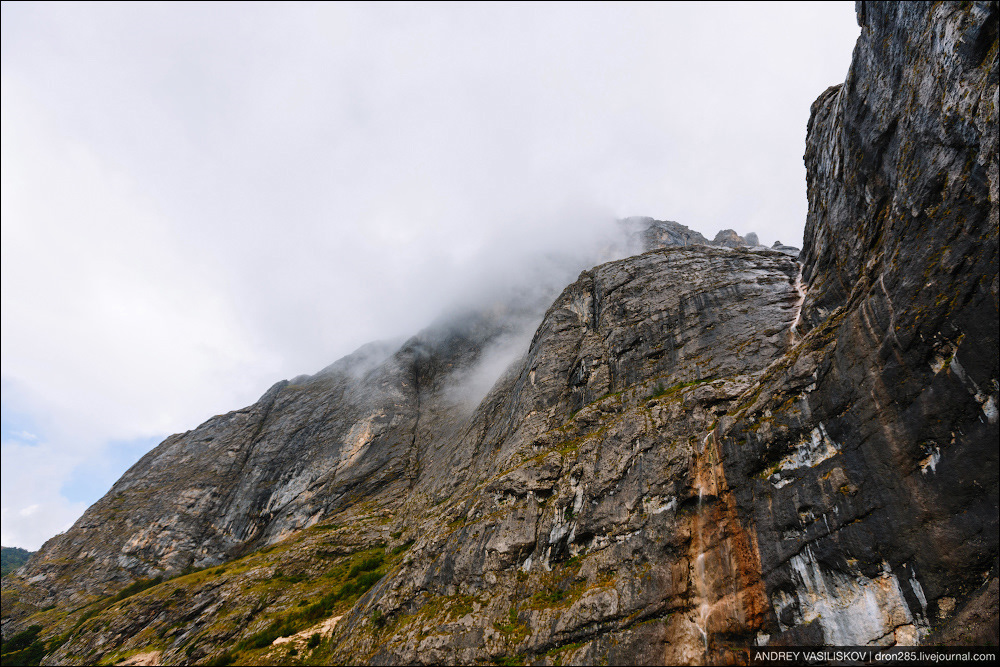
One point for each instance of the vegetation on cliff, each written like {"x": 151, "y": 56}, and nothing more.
{"x": 703, "y": 448}
{"x": 12, "y": 558}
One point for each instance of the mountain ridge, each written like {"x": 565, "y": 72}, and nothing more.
{"x": 702, "y": 448}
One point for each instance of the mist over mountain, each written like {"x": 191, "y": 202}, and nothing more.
{"x": 650, "y": 447}
{"x": 201, "y": 199}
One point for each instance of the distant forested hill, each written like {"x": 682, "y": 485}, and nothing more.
{"x": 12, "y": 558}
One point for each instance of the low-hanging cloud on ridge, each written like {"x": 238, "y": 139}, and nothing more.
{"x": 201, "y": 199}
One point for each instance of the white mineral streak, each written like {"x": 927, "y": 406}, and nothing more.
{"x": 658, "y": 504}
{"x": 990, "y": 410}
{"x": 930, "y": 461}
{"x": 700, "y": 580}
{"x": 560, "y": 526}
{"x": 526, "y": 566}
{"x": 812, "y": 451}
{"x": 988, "y": 402}
{"x": 324, "y": 629}
{"x": 809, "y": 453}
{"x": 800, "y": 290}
{"x": 852, "y": 610}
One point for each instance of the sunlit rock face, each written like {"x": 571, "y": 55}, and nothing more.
{"x": 700, "y": 448}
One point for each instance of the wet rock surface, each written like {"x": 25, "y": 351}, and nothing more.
{"x": 701, "y": 448}
{"x": 867, "y": 460}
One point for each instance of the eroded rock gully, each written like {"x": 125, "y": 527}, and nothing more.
{"x": 701, "y": 448}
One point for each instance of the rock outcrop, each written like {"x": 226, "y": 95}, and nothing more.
{"x": 646, "y": 234}
{"x": 729, "y": 239}
{"x": 702, "y": 448}
{"x": 791, "y": 251}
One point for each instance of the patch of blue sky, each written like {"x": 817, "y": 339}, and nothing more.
{"x": 91, "y": 480}
{"x": 17, "y": 427}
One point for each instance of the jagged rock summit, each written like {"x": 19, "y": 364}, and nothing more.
{"x": 729, "y": 239}
{"x": 701, "y": 448}
{"x": 644, "y": 234}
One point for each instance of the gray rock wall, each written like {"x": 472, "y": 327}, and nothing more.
{"x": 702, "y": 448}
{"x": 868, "y": 459}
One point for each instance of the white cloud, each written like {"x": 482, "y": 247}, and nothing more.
{"x": 201, "y": 199}
{"x": 32, "y": 512}
{"x": 109, "y": 316}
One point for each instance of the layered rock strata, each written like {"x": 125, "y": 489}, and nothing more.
{"x": 701, "y": 449}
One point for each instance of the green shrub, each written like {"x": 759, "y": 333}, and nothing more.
{"x": 227, "y": 658}
{"x": 402, "y": 547}
{"x": 509, "y": 660}
{"x": 22, "y": 640}
{"x": 360, "y": 586}
{"x": 30, "y": 656}
{"x": 24, "y": 648}
{"x": 326, "y": 526}
{"x": 367, "y": 565}
{"x": 290, "y": 578}
{"x": 550, "y": 596}
{"x": 359, "y": 579}
{"x": 135, "y": 587}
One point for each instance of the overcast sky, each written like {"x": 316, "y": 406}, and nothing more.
{"x": 199, "y": 199}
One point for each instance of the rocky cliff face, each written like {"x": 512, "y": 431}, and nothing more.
{"x": 878, "y": 434}
{"x": 701, "y": 448}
